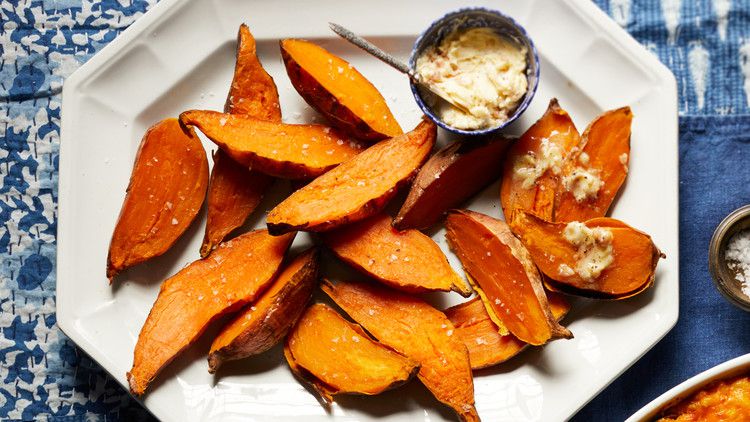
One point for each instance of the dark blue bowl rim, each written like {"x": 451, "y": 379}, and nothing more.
{"x": 530, "y": 93}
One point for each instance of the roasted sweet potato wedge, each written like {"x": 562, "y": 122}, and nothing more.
{"x": 234, "y": 191}
{"x": 415, "y": 329}
{"x": 450, "y": 177}
{"x": 338, "y": 91}
{"x": 504, "y": 276}
{"x": 533, "y": 164}
{"x": 358, "y": 188}
{"x": 166, "y": 191}
{"x": 231, "y": 276}
{"x": 276, "y": 149}
{"x": 336, "y": 356}
{"x": 233, "y": 194}
{"x": 595, "y": 171}
{"x": 487, "y": 347}
{"x": 601, "y": 258}
{"x": 263, "y": 323}
{"x": 253, "y": 92}
{"x": 408, "y": 260}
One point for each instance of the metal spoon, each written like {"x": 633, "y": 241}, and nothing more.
{"x": 393, "y": 62}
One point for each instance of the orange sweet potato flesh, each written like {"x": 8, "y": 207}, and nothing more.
{"x": 415, "y": 329}
{"x": 631, "y": 271}
{"x": 166, "y": 191}
{"x": 338, "y": 91}
{"x": 408, "y": 260}
{"x": 358, "y": 188}
{"x": 234, "y": 191}
{"x": 277, "y": 149}
{"x": 336, "y": 356}
{"x": 450, "y": 177}
{"x": 262, "y": 324}
{"x": 605, "y": 151}
{"x": 231, "y": 276}
{"x": 233, "y": 194}
{"x": 504, "y": 276}
{"x": 557, "y": 128}
{"x": 487, "y": 347}
{"x": 253, "y": 91}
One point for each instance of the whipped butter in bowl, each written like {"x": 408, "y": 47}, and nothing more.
{"x": 482, "y": 61}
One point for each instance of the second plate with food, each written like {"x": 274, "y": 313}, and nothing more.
{"x": 180, "y": 56}
{"x": 739, "y": 366}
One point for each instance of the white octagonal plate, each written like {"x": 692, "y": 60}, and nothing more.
{"x": 180, "y": 56}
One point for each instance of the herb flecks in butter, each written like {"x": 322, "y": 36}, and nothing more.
{"x": 594, "y": 253}
{"x": 530, "y": 167}
{"x": 583, "y": 184}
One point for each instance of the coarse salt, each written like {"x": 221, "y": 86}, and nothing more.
{"x": 737, "y": 255}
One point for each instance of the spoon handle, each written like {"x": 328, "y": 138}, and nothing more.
{"x": 372, "y": 49}
{"x": 393, "y": 62}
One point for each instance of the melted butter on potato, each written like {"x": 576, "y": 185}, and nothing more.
{"x": 583, "y": 183}
{"x": 530, "y": 167}
{"x": 594, "y": 249}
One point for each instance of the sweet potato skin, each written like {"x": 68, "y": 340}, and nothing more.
{"x": 606, "y": 145}
{"x": 631, "y": 272}
{"x": 504, "y": 276}
{"x": 188, "y": 301}
{"x": 260, "y": 326}
{"x": 558, "y": 129}
{"x": 366, "y": 365}
{"x": 277, "y": 149}
{"x": 234, "y": 191}
{"x": 166, "y": 191}
{"x": 487, "y": 347}
{"x": 407, "y": 260}
{"x": 417, "y": 330}
{"x": 357, "y": 188}
{"x": 450, "y": 177}
{"x": 319, "y": 93}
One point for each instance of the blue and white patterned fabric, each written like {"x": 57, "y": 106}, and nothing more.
{"x": 43, "y": 375}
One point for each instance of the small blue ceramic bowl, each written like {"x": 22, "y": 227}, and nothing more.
{"x": 477, "y": 18}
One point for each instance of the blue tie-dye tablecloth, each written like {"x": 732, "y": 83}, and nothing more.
{"x": 706, "y": 43}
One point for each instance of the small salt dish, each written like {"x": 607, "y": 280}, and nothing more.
{"x": 723, "y": 276}
{"x": 477, "y": 18}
